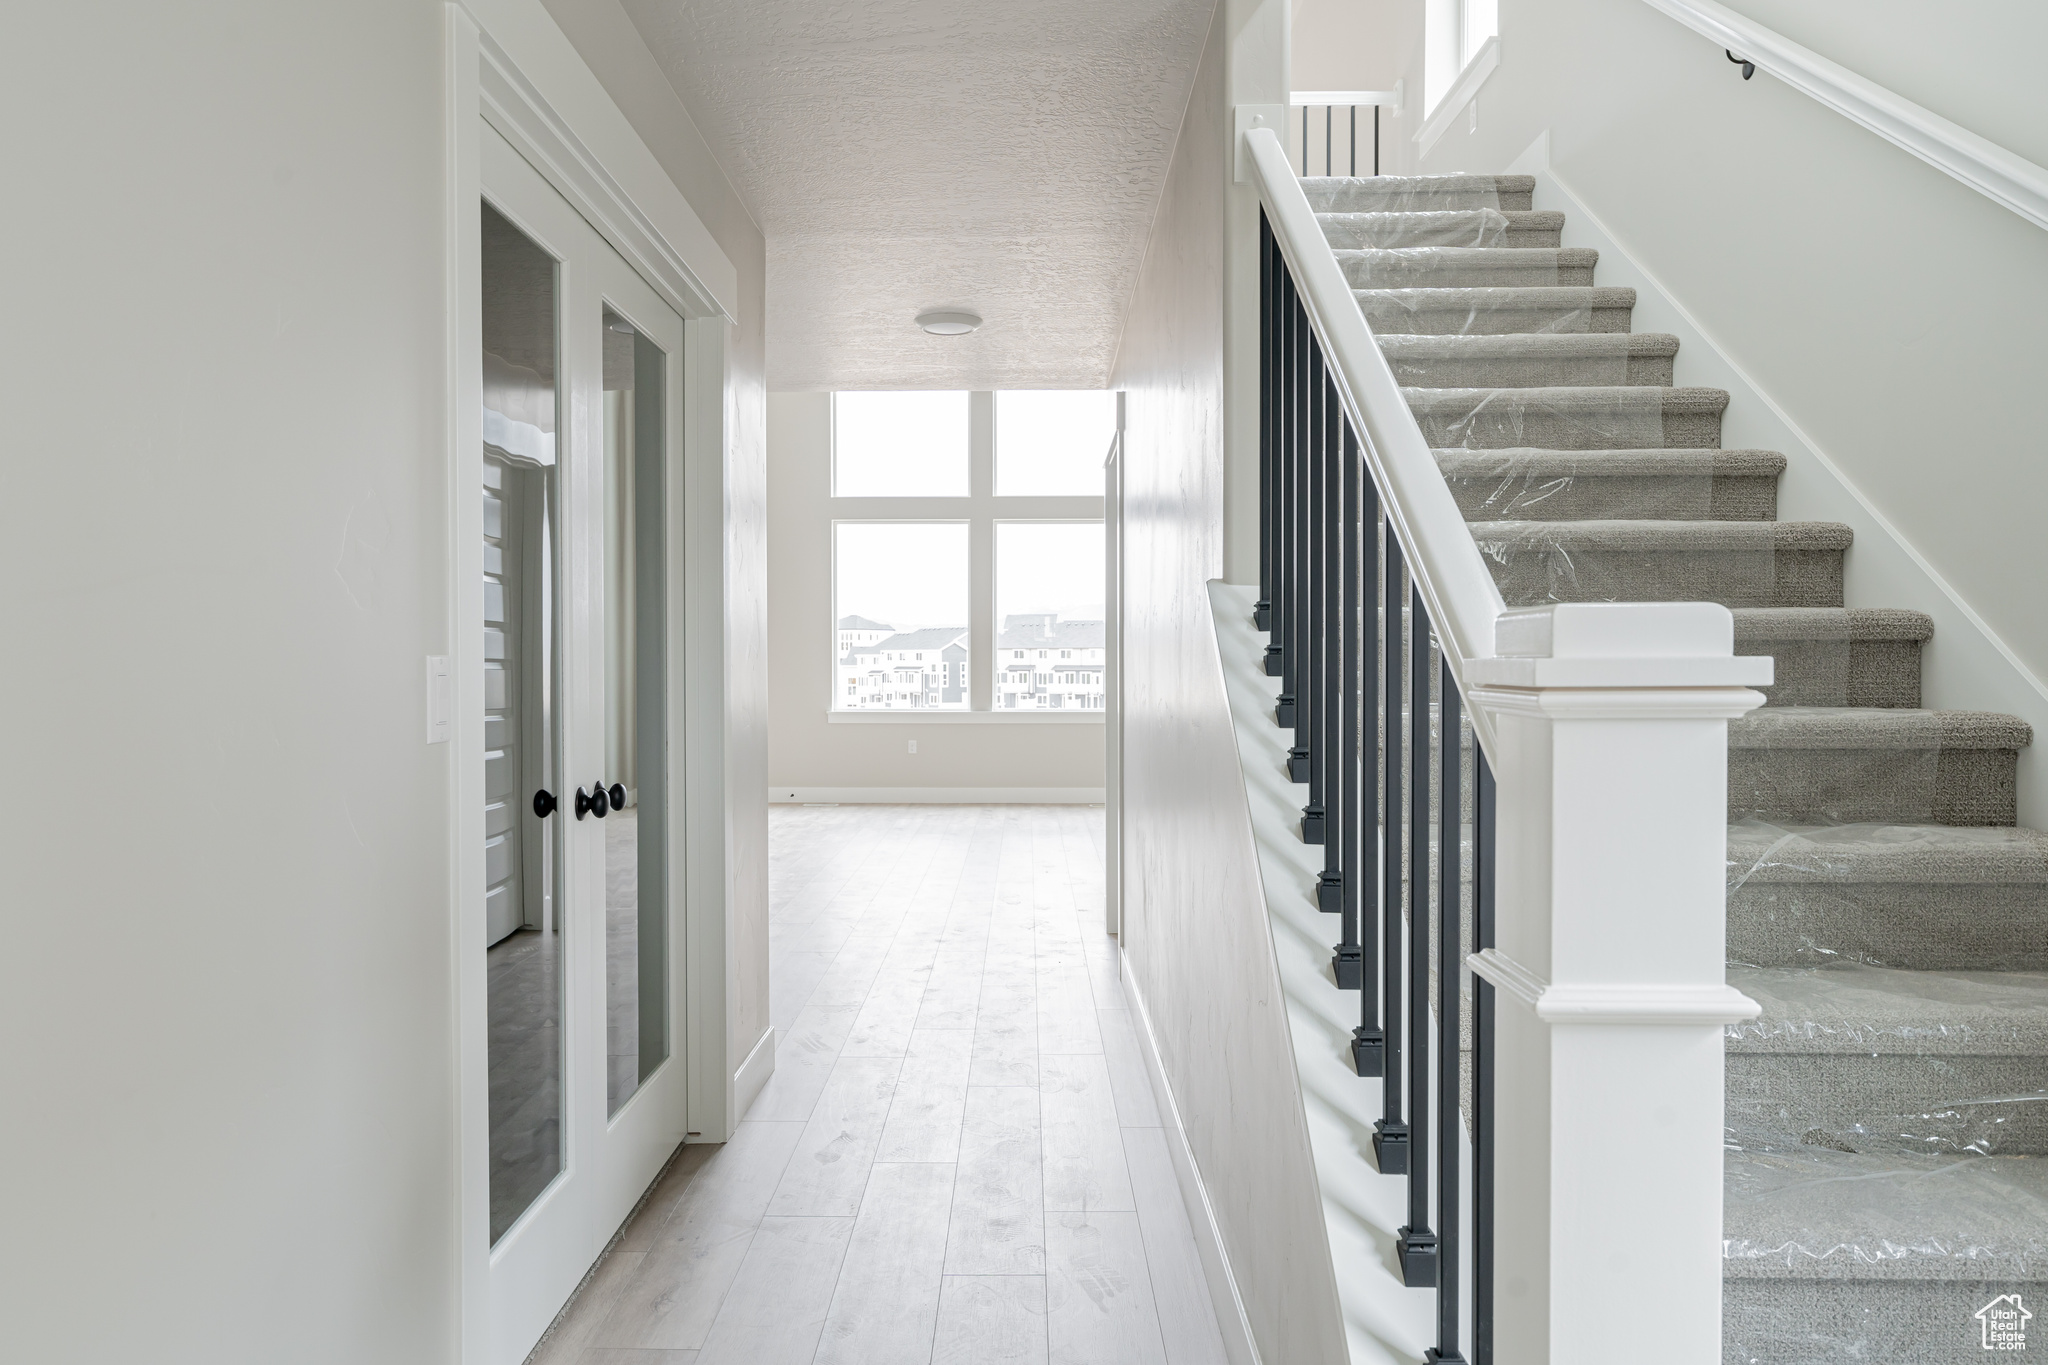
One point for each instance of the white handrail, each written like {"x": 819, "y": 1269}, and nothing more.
{"x": 1444, "y": 560}
{"x": 1999, "y": 175}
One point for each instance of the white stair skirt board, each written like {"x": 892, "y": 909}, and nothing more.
{"x": 936, "y": 796}
{"x": 1236, "y": 1328}
{"x": 1966, "y": 665}
{"x": 753, "y": 1073}
{"x": 1363, "y": 1211}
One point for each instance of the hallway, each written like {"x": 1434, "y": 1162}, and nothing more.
{"x": 958, "y": 1158}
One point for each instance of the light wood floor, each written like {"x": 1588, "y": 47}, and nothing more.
{"x": 958, "y": 1159}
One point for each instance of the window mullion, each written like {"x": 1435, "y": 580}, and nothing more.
{"x": 981, "y": 550}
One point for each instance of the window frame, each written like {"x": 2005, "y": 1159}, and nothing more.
{"x": 981, "y": 509}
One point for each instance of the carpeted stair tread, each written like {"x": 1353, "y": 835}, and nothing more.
{"x": 1442, "y": 227}
{"x": 1796, "y": 765}
{"x": 1810, "y": 1213}
{"x": 1578, "y": 417}
{"x": 1931, "y": 897}
{"x": 1695, "y": 536}
{"x": 1836, "y": 656}
{"x": 1531, "y": 360}
{"x": 1457, "y": 267}
{"x": 1440, "y": 312}
{"x": 1868, "y": 1059}
{"x": 1539, "y": 462}
{"x": 1535, "y": 484}
{"x": 1735, "y": 563}
{"x": 1860, "y": 727}
{"x": 1413, "y": 193}
{"x": 1917, "y": 854}
{"x": 1868, "y": 1011}
{"x": 1758, "y": 625}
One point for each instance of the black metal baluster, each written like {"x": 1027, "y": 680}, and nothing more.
{"x": 1284, "y": 603}
{"x": 1298, "y": 663}
{"x": 1482, "y": 1060}
{"x": 1450, "y": 963}
{"x": 1262, "y": 610}
{"x": 1304, "y": 139}
{"x": 1354, "y": 826}
{"x": 1336, "y": 686}
{"x": 1375, "y": 139}
{"x": 1315, "y": 690}
{"x": 1329, "y": 123}
{"x": 1416, "y": 1242}
{"x": 1354, "y": 139}
{"x": 1390, "y": 1134}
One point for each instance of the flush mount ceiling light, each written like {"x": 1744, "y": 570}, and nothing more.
{"x": 949, "y": 324}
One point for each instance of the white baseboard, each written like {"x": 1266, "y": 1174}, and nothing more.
{"x": 753, "y": 1074}
{"x": 936, "y": 796}
{"x": 1231, "y": 1320}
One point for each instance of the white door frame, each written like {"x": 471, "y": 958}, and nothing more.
{"x": 679, "y": 261}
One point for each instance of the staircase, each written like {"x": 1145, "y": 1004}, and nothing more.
{"x": 1887, "y": 1112}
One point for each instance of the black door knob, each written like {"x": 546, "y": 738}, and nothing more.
{"x": 618, "y": 795}
{"x": 600, "y": 801}
{"x": 582, "y": 803}
{"x": 544, "y": 803}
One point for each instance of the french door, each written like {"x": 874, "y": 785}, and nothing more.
{"x": 582, "y": 384}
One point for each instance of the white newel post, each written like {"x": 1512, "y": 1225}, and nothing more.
{"x": 1611, "y": 724}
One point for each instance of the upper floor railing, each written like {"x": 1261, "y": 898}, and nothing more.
{"x": 1331, "y": 142}
{"x": 1573, "y": 756}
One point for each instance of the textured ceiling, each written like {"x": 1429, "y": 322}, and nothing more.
{"x": 903, "y": 155}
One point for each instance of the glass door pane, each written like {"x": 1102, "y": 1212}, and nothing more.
{"x": 524, "y": 966}
{"x": 635, "y": 711}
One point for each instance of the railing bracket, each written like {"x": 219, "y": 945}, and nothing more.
{"x": 1748, "y": 66}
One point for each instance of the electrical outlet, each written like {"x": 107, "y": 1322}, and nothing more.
{"x": 913, "y": 746}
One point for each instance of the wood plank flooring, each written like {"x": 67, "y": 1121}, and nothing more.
{"x": 958, "y": 1159}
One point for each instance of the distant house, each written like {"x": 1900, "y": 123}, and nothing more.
{"x": 855, "y": 631}
{"x": 1046, "y": 664}
{"x": 913, "y": 669}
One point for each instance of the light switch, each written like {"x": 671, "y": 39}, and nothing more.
{"x": 440, "y": 699}
{"x": 913, "y": 746}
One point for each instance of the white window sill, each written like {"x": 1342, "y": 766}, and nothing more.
{"x": 918, "y": 717}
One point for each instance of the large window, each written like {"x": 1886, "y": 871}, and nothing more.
{"x": 967, "y": 554}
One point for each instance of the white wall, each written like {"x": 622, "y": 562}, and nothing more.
{"x": 1198, "y": 948}
{"x": 1361, "y": 45}
{"x": 1896, "y": 317}
{"x": 805, "y": 750}
{"x": 227, "y": 986}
